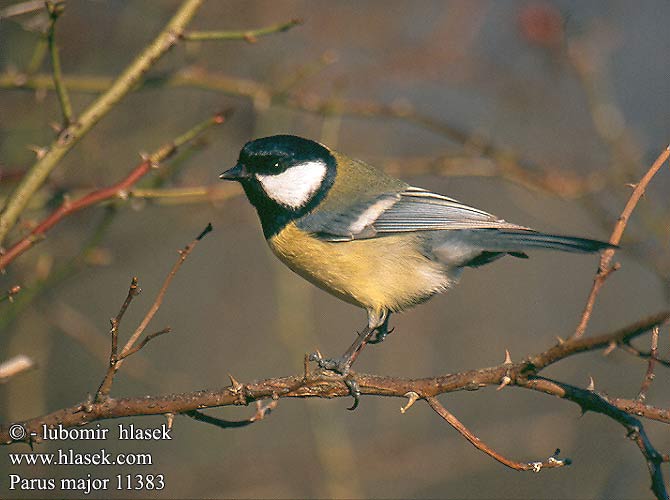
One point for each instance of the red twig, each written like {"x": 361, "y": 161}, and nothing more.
{"x": 605, "y": 269}
{"x": 69, "y": 207}
{"x": 118, "y": 190}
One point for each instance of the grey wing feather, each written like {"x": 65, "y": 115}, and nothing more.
{"x": 413, "y": 209}
{"x": 421, "y": 210}
{"x": 354, "y": 223}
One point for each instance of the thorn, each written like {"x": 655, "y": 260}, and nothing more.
{"x": 631, "y": 185}
{"x": 144, "y": 156}
{"x": 560, "y": 340}
{"x": 508, "y": 358}
{"x": 170, "y": 420}
{"x": 592, "y": 385}
{"x": 40, "y": 151}
{"x": 506, "y": 380}
{"x": 235, "y": 386}
{"x": 610, "y": 347}
{"x": 412, "y": 397}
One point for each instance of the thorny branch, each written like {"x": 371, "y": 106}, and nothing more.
{"x": 550, "y": 463}
{"x": 651, "y": 363}
{"x": 71, "y": 135}
{"x": 605, "y": 269}
{"x": 120, "y": 189}
{"x": 131, "y": 347}
{"x": 524, "y": 374}
{"x": 324, "y": 384}
{"x": 505, "y": 164}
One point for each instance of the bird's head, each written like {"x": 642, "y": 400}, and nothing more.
{"x": 284, "y": 173}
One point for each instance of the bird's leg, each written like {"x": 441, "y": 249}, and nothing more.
{"x": 382, "y": 332}
{"x": 342, "y": 364}
{"x": 377, "y": 323}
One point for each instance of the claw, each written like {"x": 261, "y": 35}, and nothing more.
{"x": 381, "y": 335}
{"x": 355, "y": 392}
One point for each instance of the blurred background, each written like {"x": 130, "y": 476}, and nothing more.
{"x": 541, "y": 112}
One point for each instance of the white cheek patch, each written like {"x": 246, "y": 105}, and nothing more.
{"x": 294, "y": 187}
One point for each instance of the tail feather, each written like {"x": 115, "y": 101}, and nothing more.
{"x": 518, "y": 241}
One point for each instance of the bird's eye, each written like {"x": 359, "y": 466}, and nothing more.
{"x": 277, "y": 165}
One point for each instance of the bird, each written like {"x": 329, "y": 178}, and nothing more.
{"x": 370, "y": 239}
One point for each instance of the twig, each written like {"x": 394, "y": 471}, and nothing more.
{"x": 183, "y": 254}
{"x": 550, "y": 463}
{"x": 131, "y": 347}
{"x": 55, "y": 9}
{"x": 631, "y": 349}
{"x": 589, "y": 400}
{"x": 250, "y": 36}
{"x": 605, "y": 269}
{"x": 120, "y": 189}
{"x": 39, "y": 172}
{"x": 61, "y": 272}
{"x": 506, "y": 164}
{"x": 651, "y": 362}
{"x": 144, "y": 342}
{"x": 262, "y": 410}
{"x": 106, "y": 384}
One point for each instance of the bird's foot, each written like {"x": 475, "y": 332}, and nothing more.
{"x": 380, "y": 334}
{"x": 340, "y": 366}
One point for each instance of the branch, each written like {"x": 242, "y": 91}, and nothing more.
{"x": 106, "y": 384}
{"x": 550, "y": 463}
{"x": 507, "y": 165}
{"x": 55, "y": 9}
{"x": 261, "y": 412}
{"x": 604, "y": 269}
{"x": 651, "y": 363}
{"x": 120, "y": 189}
{"x": 131, "y": 347}
{"x": 250, "y": 36}
{"x": 183, "y": 254}
{"x": 328, "y": 385}
{"x": 66, "y": 140}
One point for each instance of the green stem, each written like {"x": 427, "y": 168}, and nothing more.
{"x": 39, "y": 52}
{"x": 55, "y": 10}
{"x": 39, "y": 172}
{"x": 248, "y": 35}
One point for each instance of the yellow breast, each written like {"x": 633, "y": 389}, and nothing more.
{"x": 381, "y": 273}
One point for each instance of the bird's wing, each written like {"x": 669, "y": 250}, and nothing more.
{"x": 413, "y": 209}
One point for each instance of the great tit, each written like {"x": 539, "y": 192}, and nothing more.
{"x": 370, "y": 239}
